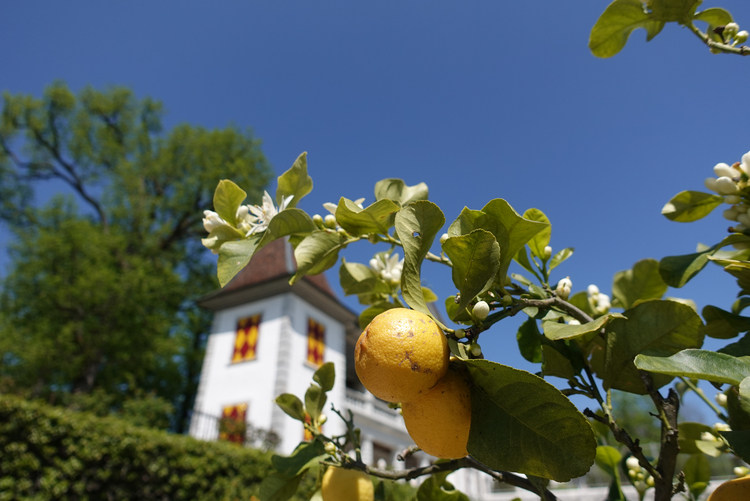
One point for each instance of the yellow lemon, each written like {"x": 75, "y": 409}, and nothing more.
{"x": 732, "y": 490}
{"x": 340, "y": 484}
{"x": 401, "y": 355}
{"x": 439, "y": 421}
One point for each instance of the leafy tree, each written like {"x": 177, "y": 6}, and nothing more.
{"x": 101, "y": 296}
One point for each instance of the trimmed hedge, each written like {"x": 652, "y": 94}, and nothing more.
{"x": 52, "y": 453}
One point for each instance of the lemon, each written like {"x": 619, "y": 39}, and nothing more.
{"x": 340, "y": 484}
{"x": 401, "y": 355}
{"x": 439, "y": 421}
{"x": 732, "y": 490}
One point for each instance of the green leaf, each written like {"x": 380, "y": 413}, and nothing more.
{"x": 221, "y": 235}
{"x": 315, "y": 400}
{"x": 697, "y": 474}
{"x": 656, "y": 328}
{"x": 511, "y": 230}
{"x": 396, "y": 189}
{"x": 739, "y": 441}
{"x": 458, "y": 349}
{"x": 674, "y": 11}
{"x": 541, "y": 239}
{"x": 325, "y": 376}
{"x": 676, "y": 271}
{"x": 376, "y": 218}
{"x": 638, "y": 284}
{"x": 373, "y": 311}
{"x": 299, "y": 460}
{"x": 451, "y": 308}
{"x": 285, "y": 223}
{"x": 738, "y": 410}
{"x": 715, "y": 17}
{"x": 278, "y": 487}
{"x": 689, "y": 434}
{"x": 555, "y": 331}
{"x": 317, "y": 252}
{"x": 611, "y": 31}
{"x": 521, "y": 423}
{"x": 358, "y": 278}
{"x": 740, "y": 348}
{"x": 436, "y": 488}
{"x": 608, "y": 459}
{"x": 530, "y": 341}
{"x": 522, "y": 258}
{"x": 227, "y": 199}
{"x": 689, "y": 206}
{"x": 429, "y": 296}
{"x": 417, "y": 224}
{"x": 700, "y": 364}
{"x": 722, "y": 324}
{"x": 233, "y": 256}
{"x": 559, "y": 257}
{"x": 475, "y": 258}
{"x": 292, "y": 406}
{"x": 294, "y": 182}
{"x": 581, "y": 301}
{"x": 555, "y": 364}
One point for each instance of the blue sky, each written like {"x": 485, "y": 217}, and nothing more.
{"x": 481, "y": 100}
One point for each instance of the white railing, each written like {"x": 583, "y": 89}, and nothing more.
{"x": 366, "y": 404}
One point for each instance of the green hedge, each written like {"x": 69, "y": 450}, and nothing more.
{"x": 52, "y": 453}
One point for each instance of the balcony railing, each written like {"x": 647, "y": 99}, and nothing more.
{"x": 367, "y": 404}
{"x": 209, "y": 428}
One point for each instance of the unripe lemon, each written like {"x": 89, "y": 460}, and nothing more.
{"x": 732, "y": 490}
{"x": 439, "y": 422}
{"x": 401, "y": 355}
{"x": 340, "y": 484}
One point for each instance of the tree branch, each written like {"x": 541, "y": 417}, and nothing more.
{"x": 711, "y": 44}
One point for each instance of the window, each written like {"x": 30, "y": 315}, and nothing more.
{"x": 233, "y": 424}
{"x": 246, "y": 339}
{"x": 316, "y": 342}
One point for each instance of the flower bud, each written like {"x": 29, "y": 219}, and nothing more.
{"x": 730, "y": 214}
{"x": 563, "y": 288}
{"x": 342, "y": 232}
{"x": 725, "y": 186}
{"x": 745, "y": 163}
{"x": 242, "y": 211}
{"x": 593, "y": 290}
{"x": 507, "y": 300}
{"x": 741, "y": 471}
{"x": 710, "y": 183}
{"x": 730, "y": 30}
{"x": 330, "y": 448}
{"x": 475, "y": 349}
{"x": 330, "y": 221}
{"x": 632, "y": 463}
{"x": 732, "y": 199}
{"x": 650, "y": 481}
{"x": 573, "y": 321}
{"x": 721, "y": 399}
{"x": 741, "y": 37}
{"x": 318, "y": 220}
{"x": 722, "y": 427}
{"x": 443, "y": 238}
{"x": 744, "y": 218}
{"x": 459, "y": 333}
{"x": 741, "y": 208}
{"x": 707, "y": 436}
{"x": 724, "y": 170}
{"x": 547, "y": 253}
{"x": 507, "y": 281}
{"x": 322, "y": 419}
{"x": 481, "y": 310}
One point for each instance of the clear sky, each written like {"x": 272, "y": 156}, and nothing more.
{"x": 481, "y": 100}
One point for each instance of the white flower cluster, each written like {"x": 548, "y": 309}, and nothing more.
{"x": 563, "y": 288}
{"x": 733, "y": 36}
{"x": 730, "y": 182}
{"x": 599, "y": 301}
{"x": 388, "y": 267}
{"x": 639, "y": 476}
{"x": 251, "y": 219}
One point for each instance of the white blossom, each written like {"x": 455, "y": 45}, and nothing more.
{"x": 632, "y": 463}
{"x": 593, "y": 290}
{"x": 563, "y": 288}
{"x": 212, "y": 220}
{"x": 710, "y": 183}
{"x": 602, "y": 303}
{"x": 261, "y": 215}
{"x": 388, "y": 267}
{"x": 724, "y": 170}
{"x": 725, "y": 186}
{"x": 481, "y": 310}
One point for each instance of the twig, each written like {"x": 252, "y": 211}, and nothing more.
{"x": 703, "y": 397}
{"x": 742, "y": 50}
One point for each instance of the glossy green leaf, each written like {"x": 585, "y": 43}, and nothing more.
{"x": 278, "y": 487}
{"x": 676, "y": 271}
{"x": 458, "y": 349}
{"x": 285, "y": 223}
{"x": 555, "y": 331}
{"x": 451, "y": 308}
{"x": 437, "y": 488}
{"x": 640, "y": 283}
{"x": 417, "y": 224}
{"x": 294, "y": 181}
{"x": 689, "y": 434}
{"x": 396, "y": 189}
{"x": 739, "y": 442}
{"x": 581, "y": 301}
{"x": 608, "y": 459}
{"x": 740, "y": 348}
{"x": 376, "y": 218}
{"x": 317, "y": 252}
{"x": 373, "y": 311}
{"x": 559, "y": 257}
{"x": 512, "y": 231}
{"x": 555, "y": 364}
{"x": 325, "y": 376}
{"x": 522, "y": 258}
{"x": 611, "y": 31}
{"x": 656, "y": 328}
{"x": 299, "y": 459}
{"x": 697, "y": 471}
{"x": 233, "y": 256}
{"x": 714, "y": 17}
{"x": 292, "y": 406}
{"x": 674, "y": 11}
{"x": 476, "y": 259}
{"x": 429, "y": 296}
{"x": 688, "y": 206}
{"x": 227, "y": 199}
{"x": 521, "y": 423}
{"x": 530, "y": 341}
{"x": 738, "y": 410}
{"x": 541, "y": 239}
{"x": 722, "y": 324}
{"x": 315, "y": 399}
{"x": 700, "y": 364}
{"x": 356, "y": 278}
{"x": 469, "y": 220}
